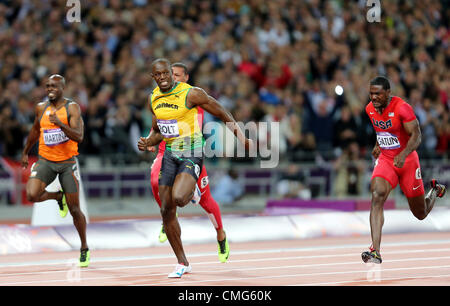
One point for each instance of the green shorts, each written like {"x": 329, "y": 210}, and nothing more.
{"x": 66, "y": 170}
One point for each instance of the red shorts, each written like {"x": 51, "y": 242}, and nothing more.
{"x": 202, "y": 181}
{"x": 409, "y": 176}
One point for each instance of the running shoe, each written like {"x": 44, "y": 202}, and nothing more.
{"x": 224, "y": 250}
{"x": 179, "y": 271}
{"x": 371, "y": 256}
{"x": 85, "y": 256}
{"x": 63, "y": 208}
{"x": 440, "y": 188}
{"x": 162, "y": 235}
{"x": 197, "y": 196}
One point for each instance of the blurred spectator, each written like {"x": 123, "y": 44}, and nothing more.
{"x": 94, "y": 122}
{"x": 345, "y": 129}
{"x": 280, "y": 117}
{"x": 261, "y": 52}
{"x": 27, "y": 82}
{"x": 443, "y": 132}
{"x": 429, "y": 123}
{"x": 349, "y": 172}
{"x": 11, "y": 132}
{"x": 322, "y": 106}
{"x": 228, "y": 189}
{"x": 228, "y": 97}
{"x": 292, "y": 184}
{"x": 118, "y": 127}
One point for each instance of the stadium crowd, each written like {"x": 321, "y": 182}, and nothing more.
{"x": 265, "y": 61}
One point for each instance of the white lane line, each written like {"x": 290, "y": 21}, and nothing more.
{"x": 246, "y": 269}
{"x": 299, "y": 275}
{"x": 242, "y": 252}
{"x": 371, "y": 282}
{"x": 69, "y": 263}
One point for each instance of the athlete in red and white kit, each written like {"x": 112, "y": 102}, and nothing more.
{"x": 202, "y": 195}
{"x": 398, "y": 137}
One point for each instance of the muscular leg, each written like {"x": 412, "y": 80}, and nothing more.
{"x": 79, "y": 219}
{"x": 380, "y": 189}
{"x": 170, "y": 223}
{"x": 171, "y": 197}
{"x": 208, "y": 203}
{"x": 69, "y": 183}
{"x": 421, "y": 205}
{"x": 183, "y": 189}
{"x": 36, "y": 191}
{"x": 154, "y": 177}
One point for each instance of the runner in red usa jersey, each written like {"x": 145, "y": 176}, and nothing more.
{"x": 392, "y": 140}
{"x": 397, "y": 162}
{"x": 391, "y": 136}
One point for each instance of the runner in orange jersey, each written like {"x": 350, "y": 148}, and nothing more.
{"x": 59, "y": 128}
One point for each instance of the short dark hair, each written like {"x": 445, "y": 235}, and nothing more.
{"x": 161, "y": 60}
{"x": 381, "y": 81}
{"x": 181, "y": 65}
{"x": 60, "y": 78}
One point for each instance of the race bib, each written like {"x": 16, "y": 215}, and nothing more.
{"x": 168, "y": 128}
{"x": 388, "y": 141}
{"x": 54, "y": 137}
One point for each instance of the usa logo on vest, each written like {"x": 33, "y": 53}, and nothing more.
{"x": 381, "y": 124}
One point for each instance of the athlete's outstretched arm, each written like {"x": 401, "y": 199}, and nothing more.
{"x": 153, "y": 138}
{"x": 75, "y": 129}
{"x": 198, "y": 97}
{"x": 33, "y": 136}
{"x": 413, "y": 130}
{"x": 376, "y": 150}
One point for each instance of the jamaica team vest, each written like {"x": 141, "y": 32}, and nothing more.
{"x": 180, "y": 125}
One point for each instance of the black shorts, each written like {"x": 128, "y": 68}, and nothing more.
{"x": 174, "y": 163}
{"x": 47, "y": 171}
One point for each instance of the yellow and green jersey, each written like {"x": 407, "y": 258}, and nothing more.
{"x": 180, "y": 125}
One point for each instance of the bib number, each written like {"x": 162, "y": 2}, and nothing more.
{"x": 54, "y": 137}
{"x": 168, "y": 128}
{"x": 388, "y": 141}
